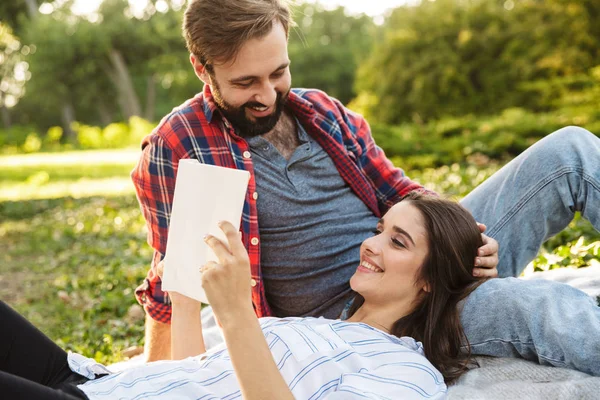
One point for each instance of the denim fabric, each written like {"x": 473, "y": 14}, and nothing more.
{"x": 531, "y": 199}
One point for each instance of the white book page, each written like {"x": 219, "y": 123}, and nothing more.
{"x": 204, "y": 195}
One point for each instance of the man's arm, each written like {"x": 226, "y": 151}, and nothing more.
{"x": 154, "y": 181}
{"x": 157, "y": 338}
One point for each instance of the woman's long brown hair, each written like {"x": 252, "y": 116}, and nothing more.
{"x": 453, "y": 238}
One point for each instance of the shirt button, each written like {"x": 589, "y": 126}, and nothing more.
{"x": 247, "y": 154}
{"x": 252, "y": 282}
{"x": 255, "y": 195}
{"x": 254, "y": 241}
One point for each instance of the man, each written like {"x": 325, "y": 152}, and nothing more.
{"x": 319, "y": 184}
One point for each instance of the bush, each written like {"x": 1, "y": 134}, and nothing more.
{"x": 13, "y": 139}
{"x": 32, "y": 143}
{"x": 116, "y": 135}
{"x": 88, "y": 137}
{"x": 25, "y": 139}
{"x": 472, "y": 139}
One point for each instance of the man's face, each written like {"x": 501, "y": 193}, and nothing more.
{"x": 251, "y": 92}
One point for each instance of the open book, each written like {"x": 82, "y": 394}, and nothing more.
{"x": 204, "y": 195}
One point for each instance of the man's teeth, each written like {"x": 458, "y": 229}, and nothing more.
{"x": 259, "y": 108}
{"x": 371, "y": 266}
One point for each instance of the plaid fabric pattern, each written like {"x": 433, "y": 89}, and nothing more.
{"x": 196, "y": 129}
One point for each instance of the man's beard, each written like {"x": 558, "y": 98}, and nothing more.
{"x": 237, "y": 115}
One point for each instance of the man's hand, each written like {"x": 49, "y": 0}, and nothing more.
{"x": 487, "y": 257}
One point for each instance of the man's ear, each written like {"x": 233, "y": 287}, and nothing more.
{"x": 200, "y": 69}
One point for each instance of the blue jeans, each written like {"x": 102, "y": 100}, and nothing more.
{"x": 531, "y": 199}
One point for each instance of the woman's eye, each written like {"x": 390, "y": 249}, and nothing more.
{"x": 376, "y": 232}
{"x": 398, "y": 243}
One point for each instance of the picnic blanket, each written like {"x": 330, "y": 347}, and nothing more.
{"x": 509, "y": 378}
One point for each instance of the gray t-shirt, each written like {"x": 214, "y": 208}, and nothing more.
{"x": 311, "y": 226}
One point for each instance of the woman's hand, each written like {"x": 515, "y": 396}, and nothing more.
{"x": 227, "y": 284}
{"x": 178, "y": 299}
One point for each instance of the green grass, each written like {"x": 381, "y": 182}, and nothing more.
{"x": 70, "y": 266}
{"x": 76, "y": 174}
{"x": 74, "y": 244}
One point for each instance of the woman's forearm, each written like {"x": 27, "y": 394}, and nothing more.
{"x": 186, "y": 331}
{"x": 256, "y": 371}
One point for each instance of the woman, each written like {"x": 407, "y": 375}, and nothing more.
{"x": 413, "y": 273}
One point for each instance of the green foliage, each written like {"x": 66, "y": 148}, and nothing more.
{"x": 24, "y": 139}
{"x": 13, "y": 138}
{"x": 449, "y": 58}
{"x": 32, "y": 143}
{"x": 326, "y": 48}
{"x": 74, "y": 65}
{"x": 13, "y": 71}
{"x": 576, "y": 247}
{"x": 114, "y": 136}
{"x": 67, "y": 174}
{"x": 75, "y": 263}
{"x": 471, "y": 138}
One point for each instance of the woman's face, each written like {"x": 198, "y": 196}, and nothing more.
{"x": 390, "y": 261}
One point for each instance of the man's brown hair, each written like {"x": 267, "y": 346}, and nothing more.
{"x": 215, "y": 30}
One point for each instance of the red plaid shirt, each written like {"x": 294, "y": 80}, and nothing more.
{"x": 196, "y": 129}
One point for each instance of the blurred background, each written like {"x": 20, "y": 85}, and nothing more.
{"x": 453, "y": 89}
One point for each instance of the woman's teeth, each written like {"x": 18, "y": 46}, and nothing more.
{"x": 370, "y": 266}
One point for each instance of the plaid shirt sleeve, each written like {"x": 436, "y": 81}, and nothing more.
{"x": 154, "y": 181}
{"x": 389, "y": 182}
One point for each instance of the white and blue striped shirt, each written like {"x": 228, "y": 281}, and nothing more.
{"x": 317, "y": 357}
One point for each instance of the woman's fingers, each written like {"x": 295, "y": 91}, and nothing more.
{"x": 208, "y": 271}
{"x": 218, "y": 247}
{"x": 236, "y": 247}
{"x": 208, "y": 266}
{"x": 233, "y": 237}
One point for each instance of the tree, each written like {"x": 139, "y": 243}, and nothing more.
{"x": 453, "y": 58}
{"x": 13, "y": 72}
{"x": 326, "y": 48}
{"x": 96, "y": 68}
{"x": 15, "y": 13}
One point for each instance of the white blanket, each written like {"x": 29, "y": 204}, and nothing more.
{"x": 506, "y": 378}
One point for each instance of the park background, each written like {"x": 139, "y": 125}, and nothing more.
{"x": 453, "y": 90}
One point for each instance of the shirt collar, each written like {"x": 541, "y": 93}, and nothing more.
{"x": 209, "y": 103}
